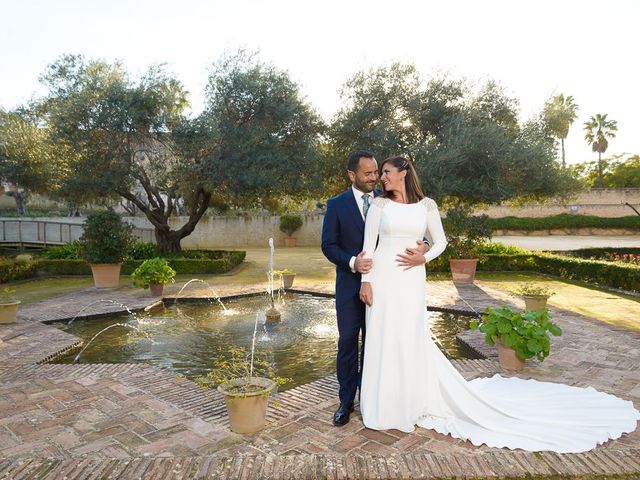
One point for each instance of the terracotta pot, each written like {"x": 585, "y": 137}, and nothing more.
{"x": 535, "y": 302}
{"x": 9, "y": 312}
{"x": 287, "y": 279}
{"x": 290, "y": 241}
{"x": 156, "y": 289}
{"x": 106, "y": 275}
{"x": 463, "y": 270}
{"x": 509, "y": 360}
{"x": 247, "y": 410}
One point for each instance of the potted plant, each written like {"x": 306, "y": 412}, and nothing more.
{"x": 153, "y": 274}
{"x": 517, "y": 335}
{"x": 246, "y": 383}
{"x": 288, "y": 225}
{"x": 535, "y": 296}
{"x": 286, "y": 277}
{"x": 466, "y": 234}
{"x": 8, "y": 305}
{"x": 105, "y": 242}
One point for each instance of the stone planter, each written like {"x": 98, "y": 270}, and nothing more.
{"x": 156, "y": 289}
{"x": 9, "y": 312}
{"x": 535, "y": 302}
{"x": 247, "y": 410}
{"x": 287, "y": 279}
{"x": 463, "y": 270}
{"x": 290, "y": 241}
{"x": 509, "y": 360}
{"x": 106, "y": 275}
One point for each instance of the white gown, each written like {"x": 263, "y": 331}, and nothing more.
{"x": 407, "y": 381}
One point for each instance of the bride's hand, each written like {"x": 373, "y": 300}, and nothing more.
{"x": 366, "y": 294}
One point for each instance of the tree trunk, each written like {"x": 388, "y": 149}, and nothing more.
{"x": 599, "y": 170}
{"x": 168, "y": 240}
{"x": 563, "y": 162}
{"x": 21, "y": 201}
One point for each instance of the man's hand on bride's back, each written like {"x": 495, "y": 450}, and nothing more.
{"x": 412, "y": 257}
{"x": 363, "y": 265}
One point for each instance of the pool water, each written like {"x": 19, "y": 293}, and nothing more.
{"x": 186, "y": 337}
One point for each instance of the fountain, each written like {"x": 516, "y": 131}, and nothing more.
{"x": 273, "y": 315}
{"x": 77, "y": 357}
{"x": 113, "y": 302}
{"x": 215, "y": 294}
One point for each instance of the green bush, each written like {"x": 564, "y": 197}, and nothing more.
{"x": 11, "y": 270}
{"x": 154, "y": 270}
{"x": 290, "y": 223}
{"x": 106, "y": 238}
{"x": 143, "y": 251}
{"x": 466, "y": 233}
{"x": 70, "y": 251}
{"x": 562, "y": 221}
{"x": 62, "y": 267}
{"x": 598, "y": 253}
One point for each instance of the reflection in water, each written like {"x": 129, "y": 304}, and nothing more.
{"x": 186, "y": 338}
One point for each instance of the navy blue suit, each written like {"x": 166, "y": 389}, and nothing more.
{"x": 342, "y": 238}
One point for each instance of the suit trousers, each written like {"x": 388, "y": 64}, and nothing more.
{"x": 351, "y": 321}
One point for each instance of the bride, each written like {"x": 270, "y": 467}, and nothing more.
{"x": 407, "y": 381}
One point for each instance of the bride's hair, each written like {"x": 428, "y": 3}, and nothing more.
{"x": 411, "y": 181}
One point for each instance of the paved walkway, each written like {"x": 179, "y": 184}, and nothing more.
{"x": 137, "y": 421}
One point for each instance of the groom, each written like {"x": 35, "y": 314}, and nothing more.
{"x": 342, "y": 238}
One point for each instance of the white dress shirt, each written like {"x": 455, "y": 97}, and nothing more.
{"x": 358, "y": 196}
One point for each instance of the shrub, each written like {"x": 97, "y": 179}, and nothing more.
{"x": 62, "y": 267}
{"x": 71, "y": 251}
{"x": 526, "y": 332}
{"x": 11, "y": 270}
{"x": 465, "y": 232}
{"x": 155, "y": 270}
{"x": 106, "y": 238}
{"x": 290, "y": 223}
{"x": 564, "y": 220}
{"x": 143, "y": 251}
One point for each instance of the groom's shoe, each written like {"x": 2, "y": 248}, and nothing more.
{"x": 341, "y": 417}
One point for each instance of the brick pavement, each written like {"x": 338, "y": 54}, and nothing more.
{"x": 138, "y": 421}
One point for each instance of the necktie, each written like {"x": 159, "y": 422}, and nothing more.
{"x": 366, "y": 204}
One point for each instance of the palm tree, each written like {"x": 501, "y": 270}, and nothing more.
{"x": 596, "y": 132}
{"x": 559, "y": 113}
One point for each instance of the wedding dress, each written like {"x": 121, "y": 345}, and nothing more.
{"x": 407, "y": 381}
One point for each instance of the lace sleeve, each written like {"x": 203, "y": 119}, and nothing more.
{"x": 434, "y": 231}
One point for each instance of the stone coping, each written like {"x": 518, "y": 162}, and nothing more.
{"x": 138, "y": 421}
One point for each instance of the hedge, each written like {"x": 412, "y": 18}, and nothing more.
{"x": 11, "y": 270}
{"x": 208, "y": 262}
{"x": 597, "y": 253}
{"x": 564, "y": 220}
{"x": 598, "y": 272}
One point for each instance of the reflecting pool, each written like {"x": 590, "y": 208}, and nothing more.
{"x": 185, "y": 337}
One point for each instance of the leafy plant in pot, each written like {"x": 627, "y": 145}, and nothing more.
{"x": 153, "y": 274}
{"x": 286, "y": 276}
{"x": 466, "y": 234}
{"x": 517, "y": 335}
{"x": 535, "y": 296}
{"x": 8, "y": 305}
{"x": 105, "y": 243}
{"x": 246, "y": 382}
{"x": 289, "y": 224}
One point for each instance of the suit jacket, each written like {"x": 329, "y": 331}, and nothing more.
{"x": 342, "y": 238}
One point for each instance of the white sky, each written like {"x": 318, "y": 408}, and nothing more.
{"x": 534, "y": 48}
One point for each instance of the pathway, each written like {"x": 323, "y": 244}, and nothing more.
{"x": 137, "y": 421}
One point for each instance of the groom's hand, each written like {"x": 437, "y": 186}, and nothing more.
{"x": 366, "y": 294}
{"x": 412, "y": 257}
{"x": 362, "y": 265}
